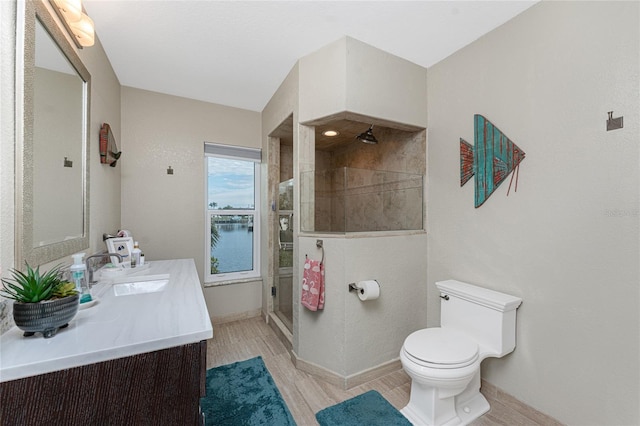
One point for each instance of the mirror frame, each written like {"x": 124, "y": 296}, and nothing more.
{"x": 25, "y": 72}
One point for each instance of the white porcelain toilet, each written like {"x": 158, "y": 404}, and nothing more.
{"x": 444, "y": 362}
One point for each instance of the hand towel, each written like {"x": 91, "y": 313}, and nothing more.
{"x": 313, "y": 285}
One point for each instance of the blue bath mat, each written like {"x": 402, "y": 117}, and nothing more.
{"x": 369, "y": 409}
{"x": 244, "y": 394}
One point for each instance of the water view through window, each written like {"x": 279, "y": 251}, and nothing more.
{"x": 234, "y": 249}
{"x": 231, "y": 206}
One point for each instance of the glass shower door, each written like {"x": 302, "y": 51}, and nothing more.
{"x": 283, "y": 298}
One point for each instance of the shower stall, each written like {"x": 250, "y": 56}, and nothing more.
{"x": 348, "y": 199}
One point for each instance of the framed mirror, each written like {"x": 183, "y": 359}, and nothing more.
{"x": 52, "y": 164}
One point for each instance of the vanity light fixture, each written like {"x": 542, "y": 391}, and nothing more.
{"x": 331, "y": 133}
{"x": 71, "y": 10}
{"x": 77, "y": 23}
{"x": 367, "y": 137}
{"x": 83, "y": 31}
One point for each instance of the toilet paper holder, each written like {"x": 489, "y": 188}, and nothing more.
{"x": 354, "y": 287}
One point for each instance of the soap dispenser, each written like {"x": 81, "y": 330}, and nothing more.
{"x": 135, "y": 255}
{"x": 78, "y": 272}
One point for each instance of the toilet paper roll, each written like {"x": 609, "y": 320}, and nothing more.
{"x": 368, "y": 290}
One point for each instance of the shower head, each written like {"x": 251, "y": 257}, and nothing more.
{"x": 367, "y": 137}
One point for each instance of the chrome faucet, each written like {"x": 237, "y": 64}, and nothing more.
{"x": 93, "y": 256}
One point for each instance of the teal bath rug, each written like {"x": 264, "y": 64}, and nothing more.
{"x": 369, "y": 409}
{"x": 243, "y": 394}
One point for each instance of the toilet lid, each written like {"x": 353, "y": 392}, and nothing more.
{"x": 442, "y": 346}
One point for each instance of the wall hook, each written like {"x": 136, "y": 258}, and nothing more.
{"x": 169, "y": 171}
{"x": 68, "y": 163}
{"x": 320, "y": 245}
{"x": 614, "y": 123}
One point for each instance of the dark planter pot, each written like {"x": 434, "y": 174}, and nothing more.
{"x": 45, "y": 317}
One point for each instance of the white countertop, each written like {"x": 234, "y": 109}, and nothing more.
{"x": 116, "y": 326}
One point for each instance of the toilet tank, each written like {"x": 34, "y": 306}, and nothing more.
{"x": 487, "y": 316}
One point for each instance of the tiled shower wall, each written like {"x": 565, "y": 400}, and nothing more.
{"x": 362, "y": 188}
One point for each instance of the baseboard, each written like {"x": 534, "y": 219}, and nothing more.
{"x": 347, "y": 382}
{"x": 373, "y": 373}
{"x": 318, "y": 371}
{"x": 236, "y": 317}
{"x": 495, "y": 394}
{"x": 281, "y": 331}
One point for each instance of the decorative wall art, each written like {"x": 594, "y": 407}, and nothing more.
{"x": 491, "y": 160}
{"x": 109, "y": 153}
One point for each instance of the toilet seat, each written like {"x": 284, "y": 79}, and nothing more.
{"x": 440, "y": 348}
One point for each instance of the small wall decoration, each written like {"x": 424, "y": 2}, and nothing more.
{"x": 109, "y": 153}
{"x": 491, "y": 160}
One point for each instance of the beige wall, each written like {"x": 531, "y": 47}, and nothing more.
{"x": 341, "y": 337}
{"x": 349, "y": 75}
{"x": 323, "y": 80}
{"x": 385, "y": 86}
{"x": 104, "y": 180}
{"x": 166, "y": 213}
{"x": 568, "y": 241}
{"x": 350, "y": 336}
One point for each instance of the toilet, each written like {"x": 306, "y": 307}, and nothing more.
{"x": 444, "y": 362}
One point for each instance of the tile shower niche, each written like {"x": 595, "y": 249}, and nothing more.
{"x": 357, "y": 187}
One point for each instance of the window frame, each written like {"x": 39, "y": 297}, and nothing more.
{"x": 242, "y": 154}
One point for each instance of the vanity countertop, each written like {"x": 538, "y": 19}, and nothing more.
{"x": 116, "y": 326}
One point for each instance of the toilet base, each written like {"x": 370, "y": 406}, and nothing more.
{"x": 467, "y": 411}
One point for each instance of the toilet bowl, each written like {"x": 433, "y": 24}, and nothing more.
{"x": 444, "y": 362}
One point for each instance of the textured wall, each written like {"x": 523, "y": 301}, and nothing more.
{"x": 104, "y": 180}
{"x": 165, "y": 212}
{"x": 568, "y": 241}
{"x": 350, "y": 336}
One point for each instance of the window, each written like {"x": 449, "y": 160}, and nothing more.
{"x": 232, "y": 212}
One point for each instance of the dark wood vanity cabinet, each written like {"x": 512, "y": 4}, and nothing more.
{"x": 155, "y": 388}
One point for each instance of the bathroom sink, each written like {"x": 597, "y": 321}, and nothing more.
{"x": 127, "y": 286}
{"x": 119, "y": 272}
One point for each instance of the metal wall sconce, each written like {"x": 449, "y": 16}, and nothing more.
{"x": 78, "y": 24}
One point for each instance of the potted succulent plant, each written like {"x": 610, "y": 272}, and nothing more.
{"x": 42, "y": 302}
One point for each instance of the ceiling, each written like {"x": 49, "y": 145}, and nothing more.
{"x": 237, "y": 53}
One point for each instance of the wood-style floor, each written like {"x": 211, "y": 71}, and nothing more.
{"x": 305, "y": 394}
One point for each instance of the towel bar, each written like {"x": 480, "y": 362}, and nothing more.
{"x": 320, "y": 246}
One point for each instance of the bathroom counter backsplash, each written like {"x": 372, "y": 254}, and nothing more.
{"x": 115, "y": 326}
